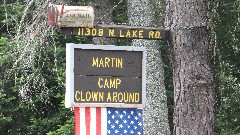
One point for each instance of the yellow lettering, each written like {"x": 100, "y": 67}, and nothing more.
{"x": 101, "y": 62}
{"x": 137, "y": 97}
{"x": 82, "y": 99}
{"x": 120, "y": 97}
{"x": 100, "y": 32}
{"x": 134, "y": 34}
{"x": 107, "y": 60}
{"x": 109, "y": 97}
{"x": 94, "y": 32}
{"x": 125, "y": 95}
{"x": 128, "y": 34}
{"x": 99, "y": 82}
{"x": 95, "y": 62}
{"x": 112, "y": 83}
{"x": 115, "y": 96}
{"x": 79, "y": 29}
{"x": 109, "y": 83}
{"x": 101, "y": 96}
{"x": 116, "y": 62}
{"x": 77, "y": 93}
{"x": 120, "y": 62}
{"x": 157, "y": 35}
{"x": 140, "y": 32}
{"x": 88, "y": 32}
{"x": 88, "y": 96}
{"x": 121, "y": 35}
{"x": 111, "y": 33}
{"x": 106, "y": 84}
{"x": 131, "y": 97}
{"x": 151, "y": 34}
{"x": 113, "y": 61}
{"x": 95, "y": 96}
{"x": 118, "y": 81}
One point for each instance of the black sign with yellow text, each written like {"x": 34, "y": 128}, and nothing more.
{"x": 104, "y": 89}
{"x": 117, "y": 31}
{"x": 107, "y": 76}
{"x": 96, "y": 62}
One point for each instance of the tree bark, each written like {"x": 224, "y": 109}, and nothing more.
{"x": 192, "y": 73}
{"x": 155, "y": 114}
{"x": 102, "y": 11}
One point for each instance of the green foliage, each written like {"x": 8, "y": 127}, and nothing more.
{"x": 40, "y": 71}
{"x": 9, "y": 17}
{"x": 226, "y": 65}
{"x": 119, "y": 13}
{"x": 4, "y": 119}
{"x": 168, "y": 81}
{"x": 67, "y": 129}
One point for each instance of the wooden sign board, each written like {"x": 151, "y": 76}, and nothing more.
{"x": 105, "y": 76}
{"x": 117, "y": 31}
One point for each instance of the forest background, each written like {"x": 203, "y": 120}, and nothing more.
{"x": 32, "y": 66}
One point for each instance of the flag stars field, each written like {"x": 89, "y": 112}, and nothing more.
{"x": 126, "y": 121}
{"x": 112, "y": 121}
{"x": 121, "y": 116}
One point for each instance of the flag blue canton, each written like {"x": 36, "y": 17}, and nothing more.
{"x": 124, "y": 121}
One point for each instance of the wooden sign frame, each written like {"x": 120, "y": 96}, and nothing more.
{"x": 71, "y": 75}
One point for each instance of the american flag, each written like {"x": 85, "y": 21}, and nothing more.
{"x": 108, "y": 121}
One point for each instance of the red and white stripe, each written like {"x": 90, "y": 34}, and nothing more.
{"x": 90, "y": 121}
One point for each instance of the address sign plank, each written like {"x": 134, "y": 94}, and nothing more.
{"x": 116, "y": 31}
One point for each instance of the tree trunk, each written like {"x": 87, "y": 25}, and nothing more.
{"x": 192, "y": 73}
{"x": 102, "y": 11}
{"x": 155, "y": 114}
